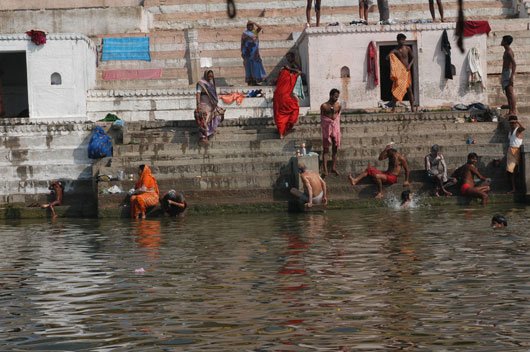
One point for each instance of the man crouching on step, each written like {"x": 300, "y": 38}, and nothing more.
{"x": 314, "y": 188}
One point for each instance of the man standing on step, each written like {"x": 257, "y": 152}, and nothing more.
{"x": 513, "y": 154}
{"x": 508, "y": 71}
{"x": 330, "y": 121}
{"x": 466, "y": 174}
{"x": 401, "y": 61}
{"x": 395, "y": 163}
{"x": 314, "y": 188}
{"x": 308, "y": 12}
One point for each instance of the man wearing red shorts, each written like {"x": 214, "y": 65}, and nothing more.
{"x": 466, "y": 174}
{"x": 395, "y": 163}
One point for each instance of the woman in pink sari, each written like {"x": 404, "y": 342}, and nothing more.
{"x": 208, "y": 115}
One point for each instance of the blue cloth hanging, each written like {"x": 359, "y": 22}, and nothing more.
{"x": 129, "y": 48}
{"x": 100, "y": 145}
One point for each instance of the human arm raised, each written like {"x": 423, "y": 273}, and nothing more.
{"x": 384, "y": 153}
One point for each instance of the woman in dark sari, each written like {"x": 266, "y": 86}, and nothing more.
{"x": 208, "y": 115}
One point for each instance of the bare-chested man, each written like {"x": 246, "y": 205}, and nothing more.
{"x": 465, "y": 175}
{"x": 405, "y": 54}
{"x": 330, "y": 121}
{"x": 314, "y": 188}
{"x": 56, "y": 188}
{"x": 508, "y": 71}
{"x": 395, "y": 163}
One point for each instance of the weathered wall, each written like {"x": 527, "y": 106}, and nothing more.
{"x": 81, "y": 20}
{"x": 331, "y": 48}
{"x": 73, "y": 57}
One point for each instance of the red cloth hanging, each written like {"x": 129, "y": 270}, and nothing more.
{"x": 371, "y": 59}
{"x": 285, "y": 106}
{"x": 37, "y": 37}
{"x": 476, "y": 27}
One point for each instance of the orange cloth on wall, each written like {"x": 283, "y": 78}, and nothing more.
{"x": 400, "y": 76}
{"x": 236, "y": 96}
{"x": 141, "y": 202}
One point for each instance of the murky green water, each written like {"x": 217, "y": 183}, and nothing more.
{"x": 425, "y": 279}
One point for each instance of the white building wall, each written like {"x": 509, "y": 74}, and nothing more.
{"x": 328, "y": 49}
{"x": 73, "y": 56}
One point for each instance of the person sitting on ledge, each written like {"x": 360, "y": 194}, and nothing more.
{"x": 465, "y": 175}
{"x": 173, "y": 203}
{"x": 57, "y": 189}
{"x": 314, "y": 188}
{"x": 395, "y": 163}
{"x": 145, "y": 193}
{"x": 437, "y": 170}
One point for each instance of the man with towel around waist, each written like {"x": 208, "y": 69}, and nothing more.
{"x": 508, "y": 71}
{"x": 513, "y": 154}
{"x": 401, "y": 61}
{"x": 330, "y": 121}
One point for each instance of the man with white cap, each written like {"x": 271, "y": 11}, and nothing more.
{"x": 389, "y": 177}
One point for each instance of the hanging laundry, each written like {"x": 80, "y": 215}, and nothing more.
{"x": 446, "y": 48}
{"x": 129, "y": 48}
{"x": 475, "y": 68}
{"x": 38, "y": 37}
{"x": 371, "y": 62}
{"x": 476, "y": 27}
{"x": 400, "y": 76}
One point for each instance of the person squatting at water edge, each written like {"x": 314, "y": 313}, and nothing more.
{"x": 395, "y": 163}
{"x": 145, "y": 193}
{"x": 401, "y": 61}
{"x": 207, "y": 115}
{"x": 330, "y": 121}
{"x": 436, "y": 170}
{"x": 499, "y": 221}
{"x": 173, "y": 203}
{"x": 465, "y": 175}
{"x": 314, "y": 188}
{"x": 254, "y": 70}
{"x": 308, "y": 12}
{"x": 513, "y": 153}
{"x": 508, "y": 72}
{"x": 56, "y": 189}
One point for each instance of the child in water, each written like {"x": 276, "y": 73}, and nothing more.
{"x": 406, "y": 198}
{"x": 499, "y": 221}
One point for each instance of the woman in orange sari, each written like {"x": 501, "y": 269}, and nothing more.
{"x": 145, "y": 193}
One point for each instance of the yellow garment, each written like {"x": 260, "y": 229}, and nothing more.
{"x": 512, "y": 158}
{"x": 400, "y": 76}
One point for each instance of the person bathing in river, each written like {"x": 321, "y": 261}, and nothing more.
{"x": 330, "y": 121}
{"x": 145, "y": 193}
{"x": 406, "y": 199}
{"x": 173, "y": 203}
{"x": 465, "y": 175}
{"x": 314, "y": 188}
{"x": 395, "y": 163}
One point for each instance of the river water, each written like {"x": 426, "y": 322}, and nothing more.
{"x": 426, "y": 279}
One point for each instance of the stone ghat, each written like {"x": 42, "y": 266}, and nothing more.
{"x": 245, "y": 166}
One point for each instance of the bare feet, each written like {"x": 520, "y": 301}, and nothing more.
{"x": 352, "y": 180}
{"x": 282, "y": 136}
{"x": 335, "y": 172}
{"x": 379, "y": 196}
{"x": 44, "y": 206}
{"x": 447, "y": 193}
{"x": 325, "y": 173}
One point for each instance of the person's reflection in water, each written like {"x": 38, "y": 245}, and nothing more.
{"x": 148, "y": 237}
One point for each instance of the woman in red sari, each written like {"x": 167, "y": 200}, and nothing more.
{"x": 145, "y": 193}
{"x": 284, "y": 104}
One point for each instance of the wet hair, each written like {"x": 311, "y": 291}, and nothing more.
{"x": 472, "y": 156}
{"x": 142, "y": 167}
{"x": 512, "y": 118}
{"x": 499, "y": 219}
{"x": 333, "y": 91}
{"x": 405, "y": 196}
{"x": 173, "y": 210}
{"x": 401, "y": 36}
{"x": 435, "y": 148}
{"x": 302, "y": 168}
{"x": 508, "y": 39}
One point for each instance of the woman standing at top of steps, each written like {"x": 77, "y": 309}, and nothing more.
{"x": 208, "y": 115}
{"x": 254, "y": 70}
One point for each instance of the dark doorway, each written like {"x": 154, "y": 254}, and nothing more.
{"x": 384, "y": 70}
{"x": 14, "y": 84}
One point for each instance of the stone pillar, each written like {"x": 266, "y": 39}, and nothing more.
{"x": 193, "y": 55}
